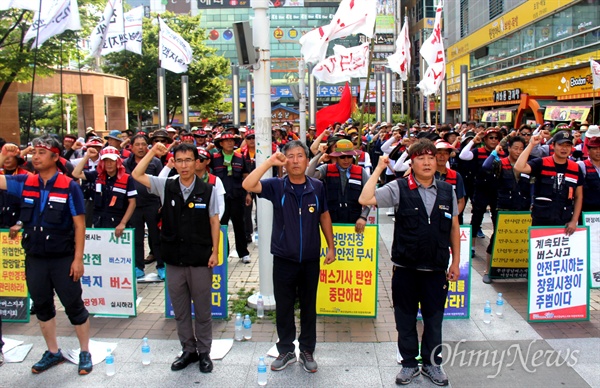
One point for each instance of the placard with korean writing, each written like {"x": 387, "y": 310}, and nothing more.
{"x": 14, "y": 299}
{"x": 558, "y": 275}
{"x": 348, "y": 286}
{"x": 592, "y": 220}
{"x": 510, "y": 252}
{"x": 218, "y": 292}
{"x": 458, "y": 302}
{"x": 109, "y": 285}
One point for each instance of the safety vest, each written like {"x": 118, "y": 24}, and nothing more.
{"x": 9, "y": 204}
{"x": 422, "y": 241}
{"x": 233, "y": 182}
{"x": 343, "y": 206}
{"x": 249, "y": 161}
{"x": 513, "y": 194}
{"x": 559, "y": 210}
{"x": 118, "y": 203}
{"x": 185, "y": 236}
{"x": 484, "y": 180}
{"x": 48, "y": 233}
{"x": 591, "y": 187}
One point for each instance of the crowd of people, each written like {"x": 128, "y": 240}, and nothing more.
{"x": 178, "y": 186}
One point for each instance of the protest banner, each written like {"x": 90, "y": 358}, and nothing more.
{"x": 592, "y": 220}
{"x": 219, "y": 284}
{"x": 458, "y": 303}
{"x": 348, "y": 286}
{"x": 510, "y": 251}
{"x": 558, "y": 275}
{"x": 109, "y": 283}
{"x": 14, "y": 299}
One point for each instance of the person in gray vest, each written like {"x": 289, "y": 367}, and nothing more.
{"x": 189, "y": 246}
{"x": 426, "y": 226}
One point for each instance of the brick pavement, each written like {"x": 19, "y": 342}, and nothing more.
{"x": 151, "y": 323}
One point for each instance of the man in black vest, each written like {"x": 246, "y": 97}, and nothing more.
{"x": 426, "y": 226}
{"x": 591, "y": 170}
{"x": 558, "y": 187}
{"x": 229, "y": 166}
{"x": 189, "y": 247}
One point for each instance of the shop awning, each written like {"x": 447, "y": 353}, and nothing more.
{"x": 577, "y": 111}
{"x": 502, "y": 115}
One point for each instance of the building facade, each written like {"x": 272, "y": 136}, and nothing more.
{"x": 528, "y": 61}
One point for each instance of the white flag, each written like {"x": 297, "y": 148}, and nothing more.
{"x": 32, "y": 5}
{"x": 127, "y": 36}
{"x": 399, "y": 61}
{"x": 351, "y": 17}
{"x": 595, "y": 73}
{"x": 432, "y": 51}
{"x": 174, "y": 53}
{"x": 111, "y": 23}
{"x": 345, "y": 64}
{"x": 56, "y": 17}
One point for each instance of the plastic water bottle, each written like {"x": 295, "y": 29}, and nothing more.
{"x": 247, "y": 327}
{"x": 260, "y": 307}
{"x": 487, "y": 312}
{"x": 110, "y": 363}
{"x": 238, "y": 336}
{"x": 500, "y": 305}
{"x": 262, "y": 371}
{"x": 145, "y": 352}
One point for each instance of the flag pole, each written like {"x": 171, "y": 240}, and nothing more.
{"x": 37, "y": 38}
{"x": 366, "y": 95}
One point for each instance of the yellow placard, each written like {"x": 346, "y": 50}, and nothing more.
{"x": 348, "y": 286}
{"x": 12, "y": 266}
{"x": 566, "y": 113}
{"x": 510, "y": 255}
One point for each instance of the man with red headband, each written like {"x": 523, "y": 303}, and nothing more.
{"x": 114, "y": 201}
{"x": 426, "y": 226}
{"x": 53, "y": 216}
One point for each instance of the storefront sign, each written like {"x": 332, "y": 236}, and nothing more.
{"x": 510, "y": 253}
{"x": 566, "y": 113}
{"x": 218, "y": 290}
{"x": 212, "y": 4}
{"x": 558, "y": 275}
{"x": 14, "y": 299}
{"x": 109, "y": 285}
{"x": 497, "y": 116}
{"x": 348, "y": 286}
{"x": 507, "y": 95}
{"x": 592, "y": 221}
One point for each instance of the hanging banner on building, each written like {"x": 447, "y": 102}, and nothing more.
{"x": 14, "y": 299}
{"x": 219, "y": 284}
{"x": 558, "y": 275}
{"x": 510, "y": 252}
{"x": 348, "y": 286}
{"x": 109, "y": 286}
{"x": 592, "y": 221}
{"x": 566, "y": 113}
{"x": 497, "y": 116}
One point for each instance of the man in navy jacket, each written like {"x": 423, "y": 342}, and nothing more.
{"x": 299, "y": 208}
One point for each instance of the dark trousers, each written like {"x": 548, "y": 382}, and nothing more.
{"x": 187, "y": 284}
{"x": 142, "y": 216}
{"x": 234, "y": 210}
{"x": 480, "y": 203}
{"x": 89, "y": 213}
{"x": 293, "y": 279}
{"x": 248, "y": 217}
{"x": 409, "y": 288}
{"x": 46, "y": 276}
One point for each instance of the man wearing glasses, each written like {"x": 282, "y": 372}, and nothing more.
{"x": 486, "y": 186}
{"x": 344, "y": 182}
{"x": 189, "y": 247}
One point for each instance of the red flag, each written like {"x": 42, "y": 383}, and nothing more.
{"x": 336, "y": 113}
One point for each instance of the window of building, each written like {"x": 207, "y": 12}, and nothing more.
{"x": 429, "y": 9}
{"x": 464, "y": 18}
{"x": 496, "y": 8}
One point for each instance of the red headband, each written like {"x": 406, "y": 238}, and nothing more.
{"x": 422, "y": 152}
{"x": 187, "y": 137}
{"x": 47, "y": 147}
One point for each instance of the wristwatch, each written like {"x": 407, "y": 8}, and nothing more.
{"x": 19, "y": 223}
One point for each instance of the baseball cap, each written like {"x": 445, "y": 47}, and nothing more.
{"x": 562, "y": 137}
{"x": 110, "y": 153}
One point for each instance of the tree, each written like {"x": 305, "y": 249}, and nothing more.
{"x": 18, "y": 57}
{"x": 206, "y": 72}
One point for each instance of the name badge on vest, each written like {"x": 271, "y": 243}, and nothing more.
{"x": 444, "y": 207}
{"x": 28, "y": 200}
{"x": 354, "y": 181}
{"x": 98, "y": 188}
{"x": 57, "y": 199}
